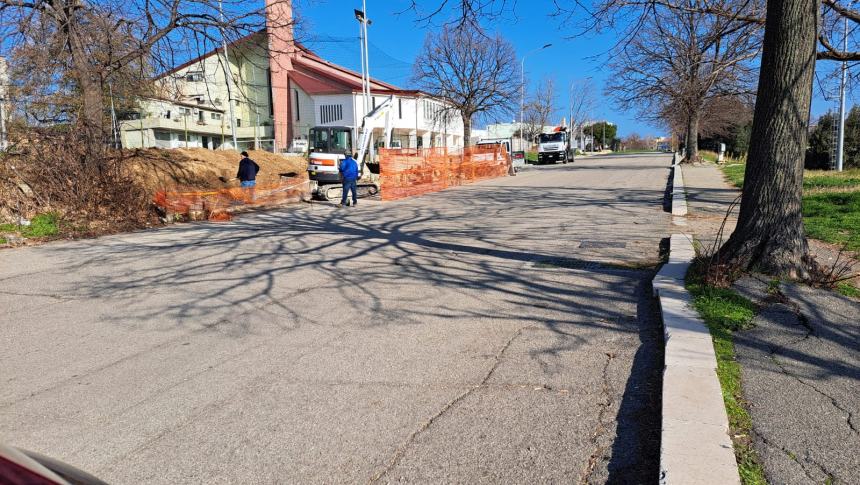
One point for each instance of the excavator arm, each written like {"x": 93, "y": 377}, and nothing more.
{"x": 379, "y": 116}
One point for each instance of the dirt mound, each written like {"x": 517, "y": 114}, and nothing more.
{"x": 199, "y": 168}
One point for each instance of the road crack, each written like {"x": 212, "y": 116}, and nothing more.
{"x": 398, "y": 455}
{"x": 807, "y": 460}
{"x": 849, "y": 416}
{"x": 600, "y": 429}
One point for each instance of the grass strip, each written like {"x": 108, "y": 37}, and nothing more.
{"x": 42, "y": 225}
{"x": 849, "y": 290}
{"x": 725, "y": 312}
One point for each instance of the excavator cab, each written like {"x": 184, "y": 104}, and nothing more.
{"x": 327, "y": 146}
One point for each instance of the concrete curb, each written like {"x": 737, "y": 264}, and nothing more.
{"x": 695, "y": 447}
{"x": 679, "y": 196}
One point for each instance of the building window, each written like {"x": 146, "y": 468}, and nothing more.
{"x": 194, "y": 76}
{"x": 373, "y": 101}
{"x": 216, "y": 116}
{"x": 298, "y": 115}
{"x": 238, "y": 123}
{"x": 400, "y": 108}
{"x": 167, "y": 114}
{"x": 330, "y": 113}
{"x": 162, "y": 135}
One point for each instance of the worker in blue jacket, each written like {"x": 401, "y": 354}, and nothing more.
{"x": 349, "y": 173}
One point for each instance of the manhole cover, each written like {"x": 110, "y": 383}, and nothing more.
{"x": 601, "y": 244}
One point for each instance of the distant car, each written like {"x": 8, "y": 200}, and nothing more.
{"x": 26, "y": 467}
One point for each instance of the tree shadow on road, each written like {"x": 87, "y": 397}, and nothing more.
{"x": 510, "y": 254}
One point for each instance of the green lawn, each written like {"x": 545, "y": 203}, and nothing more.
{"x": 735, "y": 173}
{"x": 812, "y": 179}
{"x": 831, "y": 203}
{"x": 821, "y": 179}
{"x": 725, "y": 312}
{"x": 833, "y": 217}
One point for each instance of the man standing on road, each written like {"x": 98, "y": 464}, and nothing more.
{"x": 349, "y": 171}
{"x": 247, "y": 173}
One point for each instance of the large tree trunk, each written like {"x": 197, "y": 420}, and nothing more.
{"x": 467, "y": 130}
{"x": 691, "y": 148}
{"x": 91, "y": 119}
{"x": 769, "y": 236}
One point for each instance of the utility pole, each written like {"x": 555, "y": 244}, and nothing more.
{"x": 228, "y": 74}
{"x": 840, "y": 148}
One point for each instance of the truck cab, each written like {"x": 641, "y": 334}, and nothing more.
{"x": 554, "y": 147}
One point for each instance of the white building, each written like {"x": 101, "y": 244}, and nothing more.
{"x": 275, "y": 97}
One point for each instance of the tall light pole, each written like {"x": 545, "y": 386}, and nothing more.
{"x": 361, "y": 16}
{"x": 840, "y": 147}
{"x": 523, "y": 87}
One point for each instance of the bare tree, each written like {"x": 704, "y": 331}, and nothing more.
{"x": 682, "y": 61}
{"x": 581, "y": 103}
{"x": 77, "y": 51}
{"x": 539, "y": 109}
{"x": 474, "y": 72}
{"x": 635, "y": 142}
{"x": 770, "y": 235}
{"x": 719, "y": 116}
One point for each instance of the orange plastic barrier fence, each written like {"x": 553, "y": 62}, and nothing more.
{"x": 217, "y": 204}
{"x": 405, "y": 172}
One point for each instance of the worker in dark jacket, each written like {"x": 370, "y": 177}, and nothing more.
{"x": 247, "y": 173}
{"x": 349, "y": 172}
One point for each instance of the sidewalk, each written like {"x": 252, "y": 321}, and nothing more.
{"x": 800, "y": 361}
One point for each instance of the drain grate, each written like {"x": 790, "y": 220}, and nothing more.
{"x": 602, "y": 245}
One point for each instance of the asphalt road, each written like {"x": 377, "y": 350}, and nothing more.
{"x": 497, "y": 332}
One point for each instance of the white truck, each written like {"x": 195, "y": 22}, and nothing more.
{"x": 554, "y": 147}
{"x": 517, "y": 159}
{"x": 329, "y": 145}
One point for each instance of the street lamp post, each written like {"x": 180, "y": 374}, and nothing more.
{"x": 523, "y": 87}
{"x": 361, "y": 16}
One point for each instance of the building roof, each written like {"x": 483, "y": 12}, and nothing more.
{"x": 312, "y": 73}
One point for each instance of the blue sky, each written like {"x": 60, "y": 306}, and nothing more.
{"x": 396, "y": 39}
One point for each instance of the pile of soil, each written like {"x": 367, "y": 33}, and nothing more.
{"x": 43, "y": 178}
{"x": 198, "y": 168}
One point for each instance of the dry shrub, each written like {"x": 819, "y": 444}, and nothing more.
{"x": 830, "y": 276}
{"x": 50, "y": 172}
